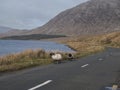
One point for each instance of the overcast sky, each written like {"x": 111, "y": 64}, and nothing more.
{"x": 28, "y": 14}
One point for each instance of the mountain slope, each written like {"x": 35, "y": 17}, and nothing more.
{"x": 4, "y": 29}
{"x": 14, "y": 32}
{"x": 92, "y": 17}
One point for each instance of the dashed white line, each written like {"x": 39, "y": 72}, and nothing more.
{"x": 100, "y": 59}
{"x": 40, "y": 85}
{"x": 85, "y": 65}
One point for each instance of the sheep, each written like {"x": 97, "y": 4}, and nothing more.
{"x": 70, "y": 56}
{"x": 56, "y": 57}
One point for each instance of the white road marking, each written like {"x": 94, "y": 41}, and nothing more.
{"x": 40, "y": 85}
{"x": 85, "y": 65}
{"x": 100, "y": 59}
{"x": 110, "y": 88}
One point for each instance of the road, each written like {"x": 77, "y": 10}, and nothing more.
{"x": 94, "y": 72}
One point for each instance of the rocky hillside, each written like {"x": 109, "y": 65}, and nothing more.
{"x": 91, "y": 17}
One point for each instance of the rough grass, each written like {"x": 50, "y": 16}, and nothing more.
{"x": 92, "y": 44}
{"x": 24, "y": 59}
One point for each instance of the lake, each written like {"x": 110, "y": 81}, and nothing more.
{"x": 13, "y": 46}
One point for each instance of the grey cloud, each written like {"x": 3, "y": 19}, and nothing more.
{"x": 27, "y": 14}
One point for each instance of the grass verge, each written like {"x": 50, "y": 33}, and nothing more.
{"x": 25, "y": 59}
{"x": 93, "y": 44}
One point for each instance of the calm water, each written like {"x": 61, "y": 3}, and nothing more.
{"x": 12, "y": 46}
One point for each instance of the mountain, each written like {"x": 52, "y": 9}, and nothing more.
{"x": 4, "y": 29}
{"x": 13, "y": 32}
{"x": 91, "y": 17}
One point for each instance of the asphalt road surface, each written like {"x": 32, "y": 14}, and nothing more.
{"x": 94, "y": 72}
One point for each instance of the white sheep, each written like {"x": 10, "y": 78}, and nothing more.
{"x": 56, "y": 57}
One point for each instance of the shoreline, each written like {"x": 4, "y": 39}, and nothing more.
{"x": 83, "y": 47}
{"x": 26, "y": 59}
{"x": 37, "y": 42}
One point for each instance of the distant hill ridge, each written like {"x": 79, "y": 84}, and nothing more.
{"x": 4, "y": 29}
{"x": 13, "y": 32}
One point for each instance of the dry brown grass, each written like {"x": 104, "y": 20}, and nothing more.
{"x": 24, "y": 59}
{"x": 112, "y": 39}
{"x": 92, "y": 44}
